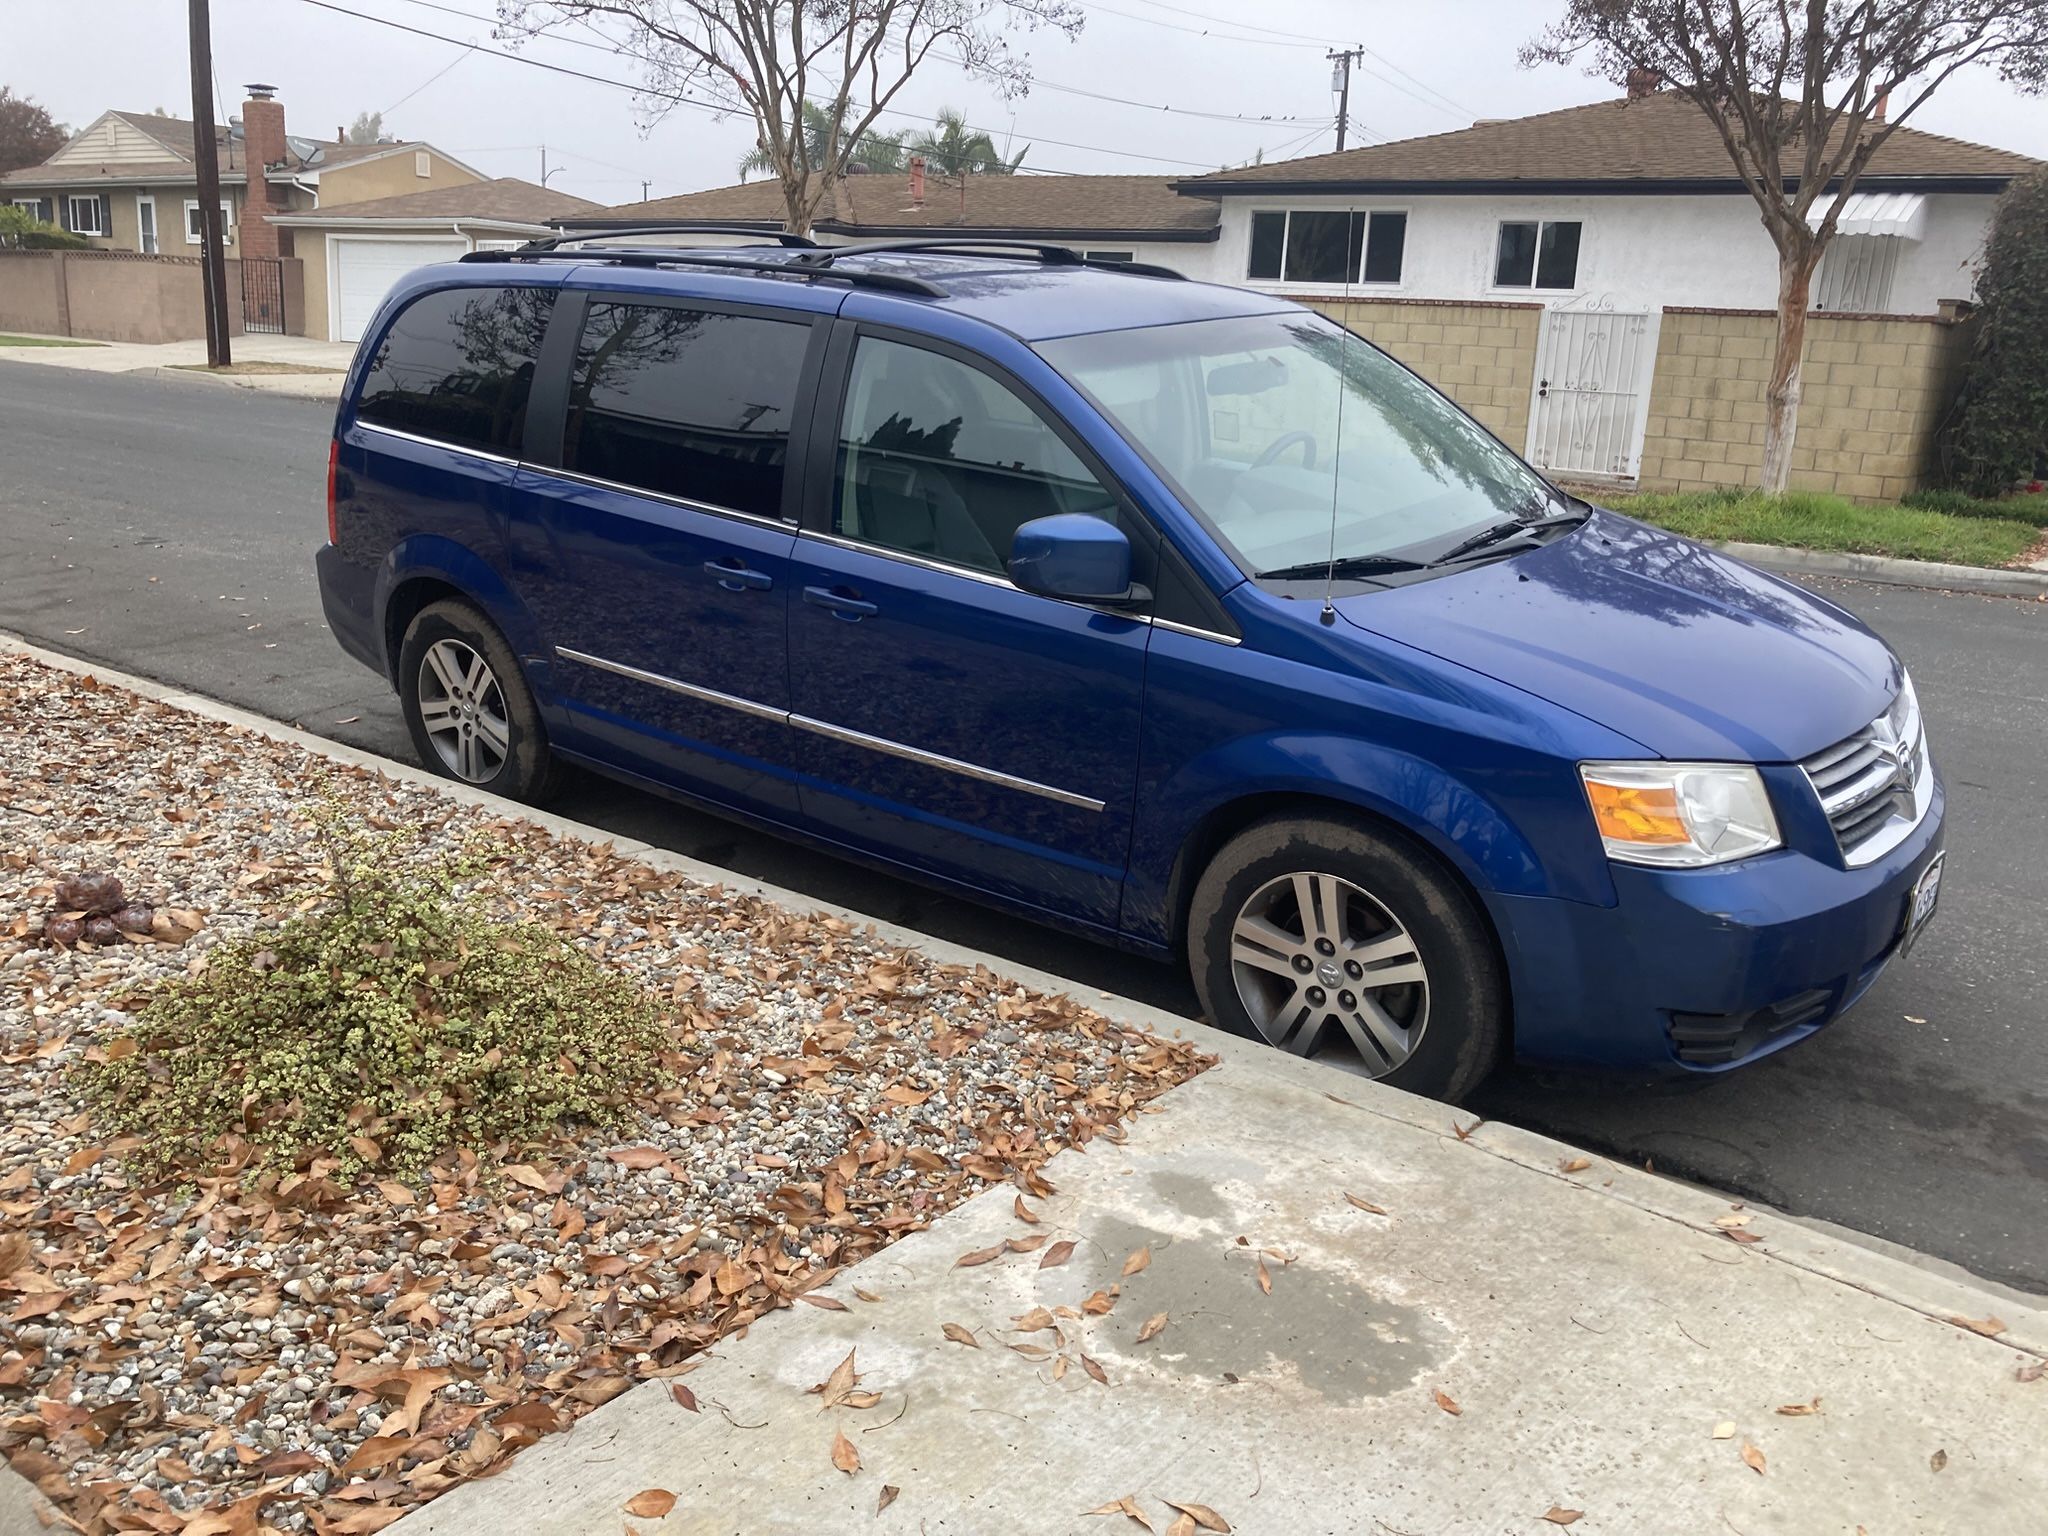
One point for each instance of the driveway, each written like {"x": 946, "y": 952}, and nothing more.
{"x": 168, "y": 528}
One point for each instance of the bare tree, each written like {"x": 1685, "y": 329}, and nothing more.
{"x": 1799, "y": 95}
{"x": 768, "y": 58}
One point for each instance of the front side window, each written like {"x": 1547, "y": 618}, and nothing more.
{"x": 1537, "y": 254}
{"x": 457, "y": 366}
{"x": 194, "y": 235}
{"x": 1292, "y": 439}
{"x": 86, "y": 215}
{"x": 685, "y": 403}
{"x": 38, "y": 208}
{"x": 939, "y": 459}
{"x": 1334, "y": 247}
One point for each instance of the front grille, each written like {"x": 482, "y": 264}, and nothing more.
{"x": 1716, "y": 1039}
{"x": 1874, "y": 787}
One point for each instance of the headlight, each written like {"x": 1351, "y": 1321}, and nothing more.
{"x": 1681, "y": 815}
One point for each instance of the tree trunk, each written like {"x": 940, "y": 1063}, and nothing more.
{"x": 1781, "y": 397}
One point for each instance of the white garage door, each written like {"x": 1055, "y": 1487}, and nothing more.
{"x": 364, "y": 271}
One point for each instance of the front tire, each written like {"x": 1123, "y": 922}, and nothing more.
{"x": 1331, "y": 938}
{"x": 466, "y": 703}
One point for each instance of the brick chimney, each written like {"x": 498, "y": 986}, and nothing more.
{"x": 263, "y": 134}
{"x": 917, "y": 181}
{"x": 1880, "y": 106}
{"x": 1643, "y": 82}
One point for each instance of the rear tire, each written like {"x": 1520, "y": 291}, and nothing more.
{"x": 1333, "y": 937}
{"x": 467, "y": 705}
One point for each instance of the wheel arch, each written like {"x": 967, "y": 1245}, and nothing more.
{"x": 426, "y": 569}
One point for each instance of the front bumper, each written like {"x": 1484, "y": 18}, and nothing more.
{"x": 1701, "y": 971}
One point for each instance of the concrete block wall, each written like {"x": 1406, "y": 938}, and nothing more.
{"x": 119, "y": 295}
{"x": 1873, "y": 390}
{"x": 1482, "y": 355}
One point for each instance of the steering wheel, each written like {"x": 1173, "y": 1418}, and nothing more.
{"x": 1285, "y": 441}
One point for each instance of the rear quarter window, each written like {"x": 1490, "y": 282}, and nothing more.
{"x": 457, "y": 366}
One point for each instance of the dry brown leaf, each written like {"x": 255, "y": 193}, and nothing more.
{"x": 1126, "y": 1506}
{"x": 1734, "y": 1219}
{"x": 1100, "y": 1303}
{"x": 865, "y": 1295}
{"x": 2033, "y": 1372}
{"x": 1574, "y": 1164}
{"x": 1023, "y": 1212}
{"x": 1056, "y": 1255}
{"x": 824, "y": 1303}
{"x": 14, "y": 1252}
{"x": 1557, "y": 1514}
{"x": 1034, "y": 1320}
{"x": 832, "y": 1391}
{"x": 979, "y": 1256}
{"x": 861, "y": 1399}
{"x": 1203, "y": 1516}
{"x": 887, "y": 1497}
{"x": 1725, "y": 1430}
{"x": 1093, "y": 1368}
{"x": 1365, "y": 1205}
{"x": 1937, "y": 1461}
{"x": 1990, "y": 1327}
{"x": 844, "y": 1456}
{"x": 1183, "y": 1525}
{"x": 1139, "y": 1261}
{"x": 1799, "y": 1410}
{"x": 1445, "y": 1401}
{"x": 651, "y": 1503}
{"x": 1753, "y": 1458}
{"x": 961, "y": 1335}
{"x": 1737, "y": 1235}
{"x": 1265, "y": 1278}
{"x": 683, "y": 1396}
{"x": 1154, "y": 1326}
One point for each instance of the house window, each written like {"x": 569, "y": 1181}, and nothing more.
{"x": 422, "y": 164}
{"x": 38, "y": 208}
{"x": 196, "y": 236}
{"x": 1306, "y": 246}
{"x": 1856, "y": 274}
{"x": 1534, "y": 254}
{"x": 85, "y": 214}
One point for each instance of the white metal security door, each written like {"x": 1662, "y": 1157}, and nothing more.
{"x": 1592, "y": 391}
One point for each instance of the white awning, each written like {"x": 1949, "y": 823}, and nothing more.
{"x": 1876, "y": 213}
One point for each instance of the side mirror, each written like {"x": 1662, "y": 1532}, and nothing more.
{"x": 1075, "y": 556}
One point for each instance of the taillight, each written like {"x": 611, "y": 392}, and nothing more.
{"x": 333, "y": 462}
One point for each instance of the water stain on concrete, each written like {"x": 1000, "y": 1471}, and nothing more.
{"x": 1190, "y": 1196}
{"x": 1319, "y": 1327}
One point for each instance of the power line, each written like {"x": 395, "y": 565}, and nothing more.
{"x": 437, "y": 74}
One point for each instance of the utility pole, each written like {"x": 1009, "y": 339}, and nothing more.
{"x": 213, "y": 254}
{"x": 1340, "y": 81}
{"x": 644, "y": 185}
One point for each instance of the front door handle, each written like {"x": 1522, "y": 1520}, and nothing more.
{"x": 737, "y": 576}
{"x": 842, "y": 603}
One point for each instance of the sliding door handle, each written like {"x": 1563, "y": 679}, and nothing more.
{"x": 840, "y": 602}
{"x": 737, "y": 576}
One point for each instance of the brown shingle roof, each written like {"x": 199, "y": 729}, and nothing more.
{"x": 1099, "y": 206}
{"x": 121, "y": 174}
{"x": 508, "y": 199}
{"x": 1657, "y": 138}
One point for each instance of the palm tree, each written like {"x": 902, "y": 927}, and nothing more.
{"x": 951, "y": 148}
{"x": 873, "y": 151}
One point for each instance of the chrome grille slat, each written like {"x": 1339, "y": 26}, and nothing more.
{"x": 1874, "y": 787}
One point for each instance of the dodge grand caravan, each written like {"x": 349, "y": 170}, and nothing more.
{"x": 1176, "y": 615}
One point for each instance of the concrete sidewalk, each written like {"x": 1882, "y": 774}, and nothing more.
{"x": 176, "y": 360}
{"x": 1522, "y": 1331}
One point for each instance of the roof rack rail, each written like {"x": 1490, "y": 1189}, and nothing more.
{"x": 662, "y": 256}
{"x": 1051, "y": 255}
{"x": 573, "y": 233}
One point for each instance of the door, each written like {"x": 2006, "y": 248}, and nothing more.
{"x": 145, "y": 225}
{"x": 361, "y": 272}
{"x": 1592, "y": 392}
{"x": 943, "y": 717}
{"x": 653, "y": 547}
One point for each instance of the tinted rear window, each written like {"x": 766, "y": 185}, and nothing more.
{"x": 686, "y": 403}
{"x": 457, "y": 366}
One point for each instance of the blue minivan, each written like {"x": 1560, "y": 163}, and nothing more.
{"x": 1172, "y": 614}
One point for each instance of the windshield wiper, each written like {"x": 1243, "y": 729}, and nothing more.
{"x": 1506, "y": 529}
{"x": 1343, "y": 565}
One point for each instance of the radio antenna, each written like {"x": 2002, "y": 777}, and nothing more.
{"x": 1329, "y": 613}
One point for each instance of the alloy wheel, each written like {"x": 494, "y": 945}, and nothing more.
{"x": 1320, "y": 961}
{"x": 463, "y": 711}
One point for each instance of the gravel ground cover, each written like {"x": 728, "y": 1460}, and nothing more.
{"x": 229, "y": 1352}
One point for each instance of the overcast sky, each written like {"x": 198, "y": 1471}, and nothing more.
{"x": 1436, "y": 64}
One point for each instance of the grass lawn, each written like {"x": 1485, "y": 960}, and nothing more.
{"x": 43, "y": 341}
{"x": 257, "y": 366}
{"x": 1942, "y": 526}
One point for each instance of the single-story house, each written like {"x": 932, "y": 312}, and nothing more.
{"x": 127, "y": 181}
{"x": 353, "y": 253}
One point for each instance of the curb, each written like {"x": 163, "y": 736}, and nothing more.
{"x": 1887, "y": 571}
{"x": 1904, "y": 1277}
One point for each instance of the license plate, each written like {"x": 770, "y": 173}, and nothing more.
{"x": 1920, "y": 904}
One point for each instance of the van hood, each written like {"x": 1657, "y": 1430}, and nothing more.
{"x": 1693, "y": 654}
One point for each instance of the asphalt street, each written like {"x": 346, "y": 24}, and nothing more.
{"x": 167, "y": 527}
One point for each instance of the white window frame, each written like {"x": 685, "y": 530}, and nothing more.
{"x": 1287, "y": 233}
{"x": 91, "y": 200}
{"x": 148, "y": 241}
{"x": 422, "y": 163}
{"x": 34, "y": 205}
{"x": 196, "y": 236}
{"x": 1578, "y": 285}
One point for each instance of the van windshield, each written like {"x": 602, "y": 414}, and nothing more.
{"x": 1267, "y": 425}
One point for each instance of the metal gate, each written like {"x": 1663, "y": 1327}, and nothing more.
{"x": 1592, "y": 391}
{"x": 263, "y": 295}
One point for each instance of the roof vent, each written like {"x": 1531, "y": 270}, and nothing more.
{"x": 261, "y": 92}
